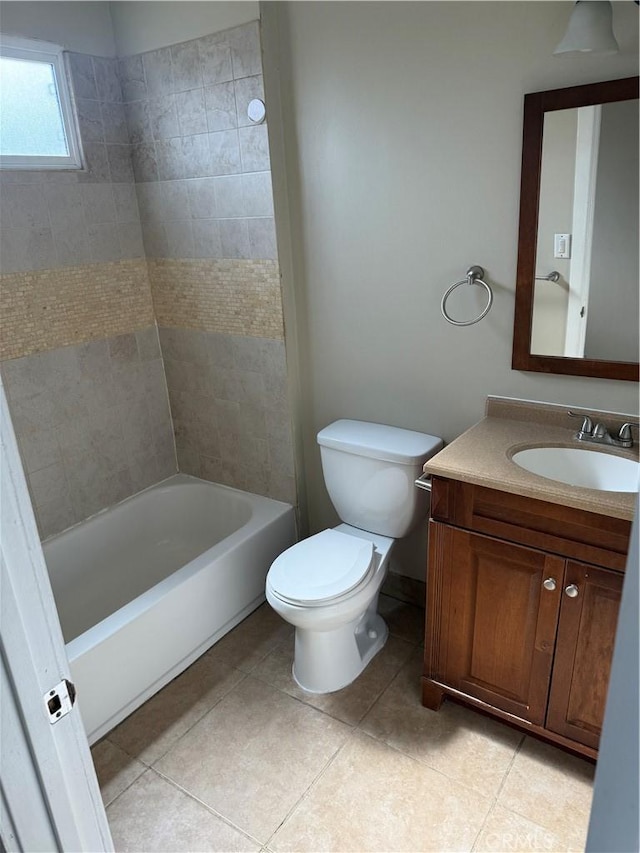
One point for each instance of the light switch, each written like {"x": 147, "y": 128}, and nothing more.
{"x": 562, "y": 245}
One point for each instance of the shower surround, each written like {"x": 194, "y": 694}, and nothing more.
{"x": 169, "y": 229}
{"x": 203, "y": 181}
{"x": 80, "y": 355}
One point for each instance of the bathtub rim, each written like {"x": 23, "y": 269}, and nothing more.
{"x": 263, "y": 512}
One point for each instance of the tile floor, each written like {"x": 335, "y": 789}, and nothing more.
{"x": 233, "y": 756}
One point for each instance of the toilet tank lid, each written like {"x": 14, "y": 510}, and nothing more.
{"x": 377, "y": 441}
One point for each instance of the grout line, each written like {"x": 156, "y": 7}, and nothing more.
{"x": 133, "y": 781}
{"x": 208, "y": 711}
{"x": 307, "y": 793}
{"x": 209, "y": 808}
{"x": 499, "y": 791}
{"x": 199, "y": 719}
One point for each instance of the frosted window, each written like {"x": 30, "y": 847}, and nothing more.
{"x": 38, "y": 124}
{"x": 31, "y": 120}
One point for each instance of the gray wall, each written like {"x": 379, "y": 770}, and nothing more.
{"x": 402, "y": 138}
{"x": 83, "y": 27}
{"x": 555, "y": 216}
{"x": 147, "y": 25}
{"x": 614, "y": 305}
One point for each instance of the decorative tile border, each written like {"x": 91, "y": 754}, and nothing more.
{"x": 235, "y": 297}
{"x": 46, "y": 309}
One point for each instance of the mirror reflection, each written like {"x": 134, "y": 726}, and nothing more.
{"x": 586, "y": 302}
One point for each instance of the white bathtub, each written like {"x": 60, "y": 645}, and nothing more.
{"x": 146, "y": 587}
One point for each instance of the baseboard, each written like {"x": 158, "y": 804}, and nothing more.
{"x": 405, "y": 589}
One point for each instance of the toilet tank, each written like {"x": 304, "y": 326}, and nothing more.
{"x": 369, "y": 471}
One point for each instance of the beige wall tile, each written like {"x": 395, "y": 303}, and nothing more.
{"x": 236, "y": 297}
{"x": 47, "y": 309}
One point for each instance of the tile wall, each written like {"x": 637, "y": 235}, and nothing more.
{"x": 53, "y": 219}
{"x": 230, "y": 409}
{"x": 80, "y": 357}
{"x": 172, "y": 220}
{"x": 93, "y": 424}
{"x": 202, "y": 168}
{"x": 203, "y": 179}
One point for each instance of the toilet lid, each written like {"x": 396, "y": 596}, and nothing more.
{"x": 321, "y": 567}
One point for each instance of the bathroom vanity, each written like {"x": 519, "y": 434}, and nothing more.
{"x": 524, "y": 580}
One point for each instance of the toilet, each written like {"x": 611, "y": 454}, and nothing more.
{"x": 327, "y": 585}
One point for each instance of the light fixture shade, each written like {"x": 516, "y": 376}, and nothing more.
{"x": 589, "y": 29}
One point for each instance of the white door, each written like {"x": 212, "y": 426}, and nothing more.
{"x": 584, "y": 199}
{"x": 49, "y": 795}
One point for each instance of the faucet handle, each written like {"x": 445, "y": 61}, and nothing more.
{"x": 624, "y": 433}
{"x": 587, "y": 423}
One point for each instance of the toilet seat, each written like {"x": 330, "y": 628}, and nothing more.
{"x": 321, "y": 568}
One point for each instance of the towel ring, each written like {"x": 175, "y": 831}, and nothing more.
{"x": 474, "y": 276}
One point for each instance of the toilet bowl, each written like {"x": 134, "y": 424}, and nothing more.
{"x": 327, "y": 586}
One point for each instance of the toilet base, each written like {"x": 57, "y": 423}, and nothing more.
{"x": 326, "y": 661}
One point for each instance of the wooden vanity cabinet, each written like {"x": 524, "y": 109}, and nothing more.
{"x": 584, "y": 649}
{"x": 523, "y": 632}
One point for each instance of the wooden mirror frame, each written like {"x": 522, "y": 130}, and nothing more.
{"x": 536, "y": 105}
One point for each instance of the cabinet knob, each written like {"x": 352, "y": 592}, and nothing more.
{"x": 572, "y": 591}
{"x": 549, "y": 583}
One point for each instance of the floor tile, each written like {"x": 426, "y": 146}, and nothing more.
{"x": 115, "y": 769}
{"x": 252, "y": 639}
{"x": 373, "y": 798}
{"x": 350, "y": 704}
{"x": 507, "y": 832}
{"x": 153, "y": 815}
{"x": 404, "y": 620}
{"x": 253, "y": 755}
{"x": 151, "y": 730}
{"x": 457, "y": 741}
{"x": 551, "y": 788}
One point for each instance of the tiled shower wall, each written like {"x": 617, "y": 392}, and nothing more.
{"x": 203, "y": 179}
{"x": 80, "y": 354}
{"x": 79, "y": 347}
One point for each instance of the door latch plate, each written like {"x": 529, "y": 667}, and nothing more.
{"x": 60, "y": 700}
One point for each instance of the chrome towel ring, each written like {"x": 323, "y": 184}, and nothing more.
{"x": 475, "y": 275}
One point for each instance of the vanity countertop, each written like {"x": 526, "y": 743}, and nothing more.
{"x": 482, "y": 455}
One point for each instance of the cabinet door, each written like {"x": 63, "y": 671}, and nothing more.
{"x": 491, "y": 621}
{"x": 586, "y": 634}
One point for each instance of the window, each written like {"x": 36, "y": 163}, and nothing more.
{"x": 38, "y": 127}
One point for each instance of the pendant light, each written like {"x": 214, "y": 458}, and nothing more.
{"x": 589, "y": 29}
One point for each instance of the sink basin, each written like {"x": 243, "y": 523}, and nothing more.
{"x": 583, "y": 467}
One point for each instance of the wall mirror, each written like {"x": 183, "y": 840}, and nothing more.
{"x": 577, "y": 303}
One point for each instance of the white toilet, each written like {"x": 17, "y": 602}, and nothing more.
{"x": 327, "y": 585}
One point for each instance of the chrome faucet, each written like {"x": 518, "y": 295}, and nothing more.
{"x": 599, "y": 433}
